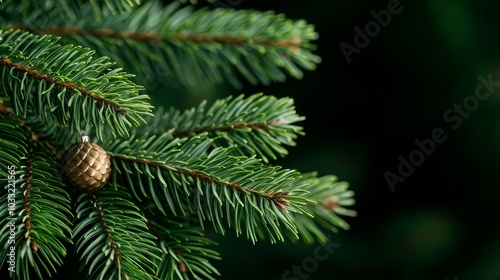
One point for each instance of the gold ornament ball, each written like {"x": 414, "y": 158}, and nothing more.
{"x": 86, "y": 165}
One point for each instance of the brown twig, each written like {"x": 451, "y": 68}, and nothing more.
{"x": 27, "y": 201}
{"x": 35, "y": 136}
{"x": 276, "y": 197}
{"x": 238, "y": 125}
{"x": 293, "y": 43}
{"x": 71, "y": 86}
{"x": 112, "y": 243}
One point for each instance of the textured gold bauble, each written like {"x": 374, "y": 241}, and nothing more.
{"x": 86, "y": 165}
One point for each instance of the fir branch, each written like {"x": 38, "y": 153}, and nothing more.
{"x": 19, "y": 67}
{"x": 41, "y": 208}
{"x": 28, "y": 238}
{"x": 105, "y": 7}
{"x": 36, "y": 128}
{"x": 171, "y": 43}
{"x": 184, "y": 250}
{"x": 330, "y": 199}
{"x": 258, "y": 125}
{"x": 194, "y": 2}
{"x": 28, "y": 8}
{"x": 58, "y": 138}
{"x": 292, "y": 43}
{"x": 112, "y": 237}
{"x": 58, "y": 81}
{"x": 171, "y": 171}
{"x": 13, "y": 145}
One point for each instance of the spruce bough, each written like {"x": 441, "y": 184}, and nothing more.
{"x": 175, "y": 174}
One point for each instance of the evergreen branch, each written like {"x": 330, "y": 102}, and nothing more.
{"x": 56, "y": 137}
{"x": 69, "y": 9}
{"x": 58, "y": 81}
{"x": 330, "y": 198}
{"x": 184, "y": 251}
{"x": 172, "y": 171}
{"x": 258, "y": 125}
{"x": 194, "y": 2}
{"x": 173, "y": 43}
{"x": 105, "y": 7}
{"x": 13, "y": 145}
{"x": 59, "y": 138}
{"x": 28, "y": 238}
{"x": 36, "y": 128}
{"x": 35, "y": 206}
{"x": 112, "y": 237}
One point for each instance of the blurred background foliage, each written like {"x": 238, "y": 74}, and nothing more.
{"x": 440, "y": 222}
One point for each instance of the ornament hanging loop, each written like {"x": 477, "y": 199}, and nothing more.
{"x": 84, "y": 138}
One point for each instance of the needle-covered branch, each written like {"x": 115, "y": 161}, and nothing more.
{"x": 187, "y": 176}
{"x": 180, "y": 45}
{"x": 112, "y": 238}
{"x": 331, "y": 198}
{"x": 57, "y": 81}
{"x": 35, "y": 204}
{"x": 185, "y": 249}
{"x": 258, "y": 125}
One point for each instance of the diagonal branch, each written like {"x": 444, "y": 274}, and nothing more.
{"x": 185, "y": 176}
{"x": 149, "y": 36}
{"x": 36, "y": 74}
{"x": 112, "y": 238}
{"x": 184, "y": 249}
{"x": 277, "y": 197}
{"x": 225, "y": 128}
{"x": 107, "y": 231}
{"x": 40, "y": 204}
{"x": 170, "y": 42}
{"x": 258, "y": 125}
{"x": 27, "y": 201}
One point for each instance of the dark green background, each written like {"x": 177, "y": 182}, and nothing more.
{"x": 441, "y": 223}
